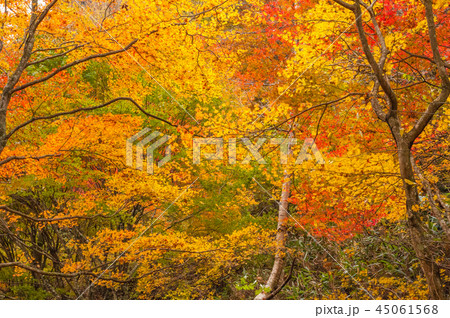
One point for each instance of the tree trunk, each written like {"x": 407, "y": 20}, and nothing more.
{"x": 417, "y": 233}
{"x": 280, "y": 254}
{"x": 4, "y": 101}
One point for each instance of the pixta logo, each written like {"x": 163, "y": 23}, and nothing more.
{"x": 253, "y": 149}
{"x": 145, "y": 149}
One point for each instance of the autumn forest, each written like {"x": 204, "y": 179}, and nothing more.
{"x": 225, "y": 149}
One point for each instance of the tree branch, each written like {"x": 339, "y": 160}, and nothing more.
{"x": 447, "y": 65}
{"x": 434, "y": 43}
{"x": 27, "y": 50}
{"x": 440, "y": 100}
{"x": 24, "y": 158}
{"x": 276, "y": 291}
{"x": 345, "y": 5}
{"x": 74, "y": 111}
{"x": 58, "y": 274}
{"x": 377, "y": 70}
{"x": 54, "y": 56}
{"x": 31, "y": 218}
{"x": 314, "y": 107}
{"x": 94, "y": 56}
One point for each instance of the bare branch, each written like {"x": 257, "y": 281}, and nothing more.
{"x": 434, "y": 43}
{"x": 94, "y": 56}
{"x": 24, "y": 158}
{"x": 345, "y": 4}
{"x": 54, "y": 56}
{"x": 427, "y": 116}
{"x": 74, "y": 111}
{"x": 447, "y": 65}
{"x": 203, "y": 12}
{"x": 440, "y": 100}
{"x": 27, "y": 50}
{"x": 276, "y": 291}
{"x": 317, "y": 106}
{"x": 59, "y": 274}
{"x": 63, "y": 45}
{"x": 377, "y": 70}
{"x": 32, "y": 218}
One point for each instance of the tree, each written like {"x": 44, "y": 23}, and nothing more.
{"x": 41, "y": 57}
{"x": 77, "y": 222}
{"x": 387, "y": 99}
